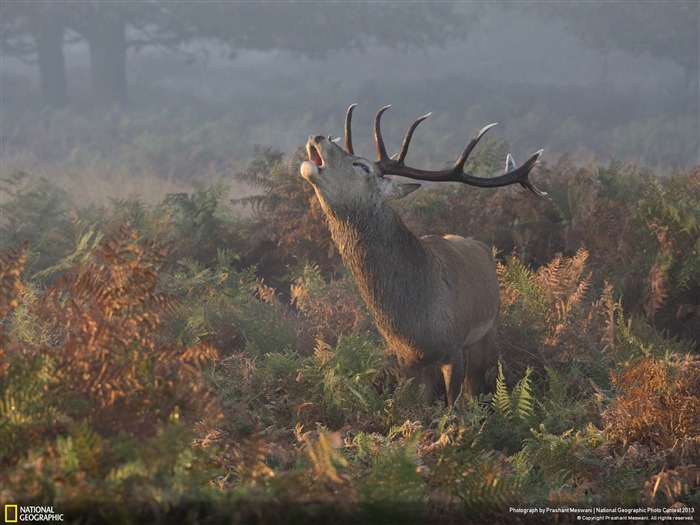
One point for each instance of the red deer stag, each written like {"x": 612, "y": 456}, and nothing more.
{"x": 434, "y": 299}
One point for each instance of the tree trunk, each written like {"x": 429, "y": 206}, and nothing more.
{"x": 48, "y": 34}
{"x": 107, "y": 43}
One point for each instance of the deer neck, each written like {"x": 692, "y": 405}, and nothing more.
{"x": 386, "y": 259}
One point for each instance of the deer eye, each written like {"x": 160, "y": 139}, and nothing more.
{"x": 361, "y": 166}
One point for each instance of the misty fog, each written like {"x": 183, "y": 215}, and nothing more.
{"x": 543, "y": 84}
{"x": 193, "y": 332}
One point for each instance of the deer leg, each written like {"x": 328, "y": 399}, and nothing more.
{"x": 439, "y": 390}
{"x": 424, "y": 380}
{"x": 453, "y": 373}
{"x": 479, "y": 357}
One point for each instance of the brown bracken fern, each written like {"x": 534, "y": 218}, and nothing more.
{"x": 657, "y": 410}
{"x": 11, "y": 267}
{"x": 108, "y": 343}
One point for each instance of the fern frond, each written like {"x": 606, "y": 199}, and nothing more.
{"x": 85, "y": 238}
{"x": 522, "y": 406}
{"x": 562, "y": 281}
{"x": 501, "y": 399}
{"x": 516, "y": 406}
{"x": 326, "y": 460}
{"x": 486, "y": 486}
{"x": 556, "y": 387}
{"x": 254, "y": 179}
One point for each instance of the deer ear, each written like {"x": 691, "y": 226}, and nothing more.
{"x": 391, "y": 189}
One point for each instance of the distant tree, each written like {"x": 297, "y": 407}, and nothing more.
{"x": 103, "y": 24}
{"x": 660, "y": 29}
{"x": 35, "y": 31}
{"x": 317, "y": 28}
{"x": 41, "y": 28}
{"x": 111, "y": 28}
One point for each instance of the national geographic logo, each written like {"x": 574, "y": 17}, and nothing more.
{"x": 11, "y": 513}
{"x": 30, "y": 514}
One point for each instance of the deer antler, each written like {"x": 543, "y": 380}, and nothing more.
{"x": 348, "y": 130}
{"x": 396, "y": 166}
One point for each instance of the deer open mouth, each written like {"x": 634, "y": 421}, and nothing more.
{"x": 315, "y": 155}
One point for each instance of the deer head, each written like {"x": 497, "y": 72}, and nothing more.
{"x": 340, "y": 178}
{"x": 340, "y": 175}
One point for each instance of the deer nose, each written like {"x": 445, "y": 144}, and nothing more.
{"x": 318, "y": 139}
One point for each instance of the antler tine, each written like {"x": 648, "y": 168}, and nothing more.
{"x": 472, "y": 143}
{"x": 526, "y": 182}
{"x": 407, "y": 138}
{"x": 511, "y": 176}
{"x": 381, "y": 149}
{"x": 348, "y": 130}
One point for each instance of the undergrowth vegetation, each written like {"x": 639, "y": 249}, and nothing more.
{"x": 184, "y": 362}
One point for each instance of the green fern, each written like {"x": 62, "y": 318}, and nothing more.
{"x": 25, "y": 326}
{"x": 501, "y": 399}
{"x": 518, "y": 405}
{"x": 669, "y": 212}
{"x": 522, "y": 407}
{"x": 393, "y": 477}
{"x": 85, "y": 238}
{"x": 344, "y": 376}
{"x": 263, "y": 172}
{"x": 485, "y": 492}
{"x": 222, "y": 304}
{"x": 67, "y": 458}
{"x": 86, "y": 445}
{"x": 202, "y": 219}
{"x": 556, "y": 387}
{"x": 37, "y": 212}
{"x": 531, "y": 311}
{"x": 79, "y": 451}
{"x": 555, "y": 462}
{"x": 131, "y": 210}
{"x": 27, "y": 412}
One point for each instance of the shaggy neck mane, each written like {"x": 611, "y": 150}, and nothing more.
{"x": 390, "y": 265}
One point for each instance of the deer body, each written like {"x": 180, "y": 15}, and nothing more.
{"x": 434, "y": 299}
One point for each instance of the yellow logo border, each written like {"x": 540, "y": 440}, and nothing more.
{"x": 16, "y": 509}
